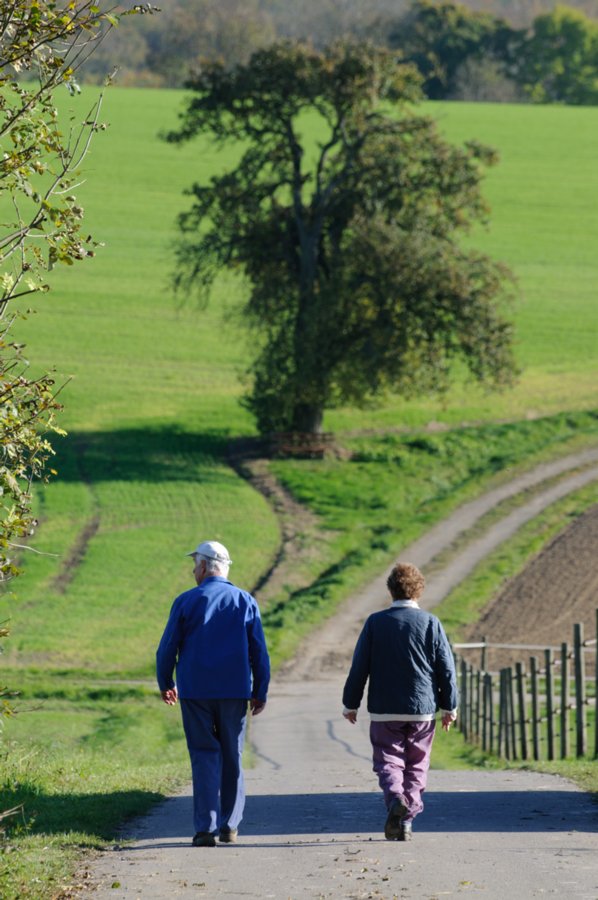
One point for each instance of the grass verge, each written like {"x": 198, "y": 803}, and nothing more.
{"x": 86, "y": 756}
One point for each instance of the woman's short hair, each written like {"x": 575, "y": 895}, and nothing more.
{"x": 405, "y": 582}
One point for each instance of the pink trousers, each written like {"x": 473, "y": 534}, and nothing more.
{"x": 401, "y": 755}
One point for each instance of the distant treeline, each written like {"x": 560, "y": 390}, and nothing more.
{"x": 496, "y": 50}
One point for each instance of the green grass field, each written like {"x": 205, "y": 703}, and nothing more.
{"x": 142, "y": 475}
{"x": 182, "y": 362}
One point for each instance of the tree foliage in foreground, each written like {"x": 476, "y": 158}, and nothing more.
{"x": 43, "y": 44}
{"x": 345, "y": 214}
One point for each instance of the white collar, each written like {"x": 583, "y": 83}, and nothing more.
{"x": 410, "y": 604}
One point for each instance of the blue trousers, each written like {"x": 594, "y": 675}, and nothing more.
{"x": 215, "y": 732}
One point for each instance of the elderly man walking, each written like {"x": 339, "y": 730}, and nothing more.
{"x": 214, "y": 637}
{"x": 406, "y": 656}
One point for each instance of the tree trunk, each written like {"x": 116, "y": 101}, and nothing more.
{"x": 307, "y": 418}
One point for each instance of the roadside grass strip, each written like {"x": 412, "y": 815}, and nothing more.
{"x": 88, "y": 755}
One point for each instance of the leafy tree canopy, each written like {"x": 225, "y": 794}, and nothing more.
{"x": 559, "y": 58}
{"x": 440, "y": 37}
{"x": 344, "y": 213}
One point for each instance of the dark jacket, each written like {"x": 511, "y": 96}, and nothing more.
{"x": 215, "y": 638}
{"x": 406, "y": 655}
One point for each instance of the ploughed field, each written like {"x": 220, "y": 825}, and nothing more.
{"x": 555, "y": 590}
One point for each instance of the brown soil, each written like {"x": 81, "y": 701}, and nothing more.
{"x": 557, "y": 588}
{"x": 75, "y": 556}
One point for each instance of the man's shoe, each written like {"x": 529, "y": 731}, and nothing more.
{"x": 228, "y": 835}
{"x": 204, "y": 839}
{"x": 406, "y": 832}
{"x": 394, "y": 820}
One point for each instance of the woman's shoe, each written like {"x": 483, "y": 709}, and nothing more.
{"x": 406, "y": 832}
{"x": 392, "y": 827}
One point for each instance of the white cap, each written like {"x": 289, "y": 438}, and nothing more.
{"x": 212, "y": 550}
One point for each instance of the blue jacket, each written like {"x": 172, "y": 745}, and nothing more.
{"x": 406, "y": 655}
{"x": 215, "y": 638}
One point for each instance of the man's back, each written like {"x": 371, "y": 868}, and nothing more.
{"x": 215, "y": 634}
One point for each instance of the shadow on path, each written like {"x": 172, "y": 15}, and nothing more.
{"x": 319, "y": 815}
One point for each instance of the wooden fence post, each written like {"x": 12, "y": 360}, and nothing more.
{"x": 504, "y": 712}
{"x": 533, "y": 668}
{"x": 520, "y": 676}
{"x": 580, "y": 692}
{"x": 471, "y": 695}
{"x": 490, "y": 713}
{"x": 549, "y": 704}
{"x": 485, "y": 713}
{"x": 478, "y": 703}
{"x": 501, "y": 731}
{"x": 511, "y": 711}
{"x": 464, "y": 699}
{"x": 564, "y": 700}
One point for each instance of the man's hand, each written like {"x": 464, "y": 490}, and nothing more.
{"x": 351, "y": 716}
{"x": 447, "y": 721}
{"x": 256, "y": 706}
{"x": 170, "y": 696}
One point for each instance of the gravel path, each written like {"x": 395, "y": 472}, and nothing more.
{"x": 314, "y": 815}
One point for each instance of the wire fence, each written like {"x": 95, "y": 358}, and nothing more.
{"x": 547, "y": 711}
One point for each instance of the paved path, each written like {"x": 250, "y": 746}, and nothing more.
{"x": 314, "y": 819}
{"x": 314, "y": 816}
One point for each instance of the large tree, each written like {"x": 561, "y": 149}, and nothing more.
{"x": 345, "y": 213}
